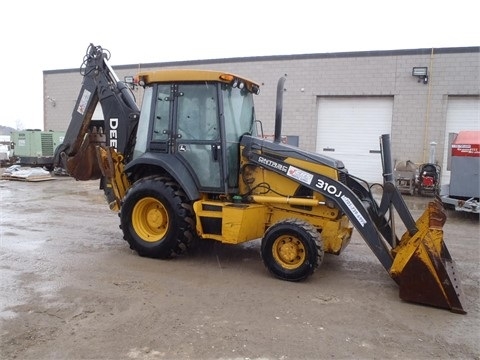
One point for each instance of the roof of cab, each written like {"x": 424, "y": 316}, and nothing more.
{"x": 187, "y": 75}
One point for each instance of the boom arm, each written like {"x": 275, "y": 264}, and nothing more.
{"x": 77, "y": 153}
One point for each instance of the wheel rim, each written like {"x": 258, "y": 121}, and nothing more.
{"x": 150, "y": 219}
{"x": 289, "y": 252}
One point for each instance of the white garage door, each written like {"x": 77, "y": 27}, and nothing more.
{"x": 463, "y": 113}
{"x": 349, "y": 130}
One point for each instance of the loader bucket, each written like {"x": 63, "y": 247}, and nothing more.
{"x": 423, "y": 267}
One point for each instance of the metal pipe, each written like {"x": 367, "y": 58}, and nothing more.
{"x": 285, "y": 200}
{"x": 387, "y": 163}
{"x": 278, "y": 111}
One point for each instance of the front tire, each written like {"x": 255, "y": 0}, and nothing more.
{"x": 156, "y": 219}
{"x": 292, "y": 249}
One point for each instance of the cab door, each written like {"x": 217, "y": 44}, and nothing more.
{"x": 196, "y": 131}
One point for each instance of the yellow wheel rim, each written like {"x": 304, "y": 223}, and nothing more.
{"x": 289, "y": 252}
{"x": 150, "y": 219}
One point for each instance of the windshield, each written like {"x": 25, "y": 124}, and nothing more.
{"x": 238, "y": 111}
{"x": 239, "y": 117}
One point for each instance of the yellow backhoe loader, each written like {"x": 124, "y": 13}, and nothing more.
{"x": 189, "y": 165}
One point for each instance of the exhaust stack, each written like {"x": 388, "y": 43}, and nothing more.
{"x": 278, "y": 111}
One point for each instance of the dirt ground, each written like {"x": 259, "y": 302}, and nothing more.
{"x": 71, "y": 288}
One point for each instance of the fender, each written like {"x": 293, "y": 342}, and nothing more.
{"x": 172, "y": 166}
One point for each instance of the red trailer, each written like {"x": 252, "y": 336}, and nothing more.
{"x": 463, "y": 192}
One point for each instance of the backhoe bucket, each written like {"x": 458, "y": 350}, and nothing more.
{"x": 84, "y": 164}
{"x": 423, "y": 267}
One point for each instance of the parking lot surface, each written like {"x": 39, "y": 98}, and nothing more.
{"x": 71, "y": 288}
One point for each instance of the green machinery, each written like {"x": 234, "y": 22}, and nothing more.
{"x": 35, "y": 147}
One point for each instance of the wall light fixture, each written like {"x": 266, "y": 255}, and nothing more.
{"x": 421, "y": 73}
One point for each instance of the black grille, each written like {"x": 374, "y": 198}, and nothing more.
{"x": 342, "y": 177}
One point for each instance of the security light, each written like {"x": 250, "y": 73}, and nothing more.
{"x": 421, "y": 73}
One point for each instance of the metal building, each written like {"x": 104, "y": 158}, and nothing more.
{"x": 338, "y": 103}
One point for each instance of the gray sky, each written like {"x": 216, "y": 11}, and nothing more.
{"x": 54, "y": 34}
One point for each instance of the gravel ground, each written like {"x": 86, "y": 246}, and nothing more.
{"x": 72, "y": 289}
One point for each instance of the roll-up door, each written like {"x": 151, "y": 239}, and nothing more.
{"x": 463, "y": 113}
{"x": 349, "y": 129}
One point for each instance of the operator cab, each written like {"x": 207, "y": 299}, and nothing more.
{"x": 199, "y": 121}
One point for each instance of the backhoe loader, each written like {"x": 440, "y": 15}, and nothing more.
{"x": 190, "y": 165}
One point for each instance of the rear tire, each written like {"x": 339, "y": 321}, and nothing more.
{"x": 292, "y": 249}
{"x": 156, "y": 219}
